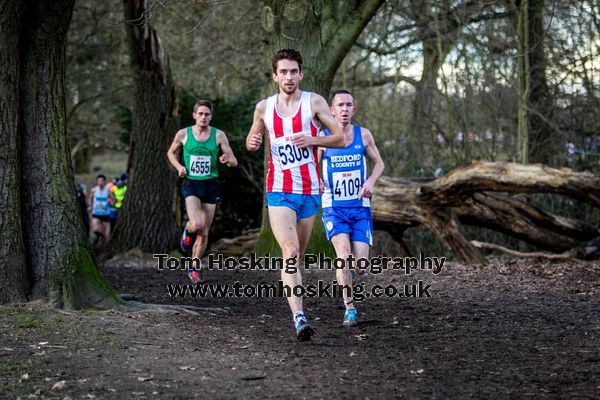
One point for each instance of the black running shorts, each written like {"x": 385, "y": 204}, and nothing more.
{"x": 103, "y": 218}
{"x": 207, "y": 190}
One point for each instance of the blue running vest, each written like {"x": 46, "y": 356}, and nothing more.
{"x": 344, "y": 173}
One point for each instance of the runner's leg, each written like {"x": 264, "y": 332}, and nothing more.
{"x": 193, "y": 207}
{"x": 341, "y": 243}
{"x": 283, "y": 225}
{"x": 360, "y": 250}
{"x": 207, "y": 212}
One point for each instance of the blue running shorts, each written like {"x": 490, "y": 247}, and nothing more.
{"x": 305, "y": 205}
{"x": 355, "y": 221}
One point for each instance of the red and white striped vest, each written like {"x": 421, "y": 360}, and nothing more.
{"x": 291, "y": 169}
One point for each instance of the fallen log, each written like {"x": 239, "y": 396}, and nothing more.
{"x": 478, "y": 195}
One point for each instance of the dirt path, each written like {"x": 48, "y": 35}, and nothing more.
{"x": 487, "y": 332}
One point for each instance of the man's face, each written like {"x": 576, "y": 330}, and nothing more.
{"x": 101, "y": 182}
{"x": 342, "y": 108}
{"x": 202, "y": 116}
{"x": 288, "y": 76}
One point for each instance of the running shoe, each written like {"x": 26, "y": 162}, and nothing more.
{"x": 194, "y": 276}
{"x": 350, "y": 318}
{"x": 303, "y": 330}
{"x": 187, "y": 240}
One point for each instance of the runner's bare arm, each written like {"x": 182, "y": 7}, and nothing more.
{"x": 254, "y": 138}
{"x": 227, "y": 157}
{"x": 373, "y": 154}
{"x": 319, "y": 158}
{"x": 90, "y": 200}
{"x": 173, "y": 153}
{"x": 322, "y": 113}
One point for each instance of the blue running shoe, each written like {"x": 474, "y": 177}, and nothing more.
{"x": 187, "y": 240}
{"x": 303, "y": 330}
{"x": 350, "y": 318}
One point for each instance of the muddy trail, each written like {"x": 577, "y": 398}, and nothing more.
{"x": 498, "y": 331}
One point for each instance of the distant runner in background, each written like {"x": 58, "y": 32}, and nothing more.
{"x": 100, "y": 198}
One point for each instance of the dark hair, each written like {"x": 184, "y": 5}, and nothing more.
{"x": 286, "y": 54}
{"x": 101, "y": 176}
{"x": 339, "y": 91}
{"x": 204, "y": 103}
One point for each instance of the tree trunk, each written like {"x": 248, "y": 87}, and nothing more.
{"x": 147, "y": 219}
{"x": 323, "y": 32}
{"x": 58, "y": 257}
{"x": 422, "y": 130}
{"x": 472, "y": 195}
{"x": 13, "y": 272}
{"x": 524, "y": 84}
{"x": 543, "y": 138}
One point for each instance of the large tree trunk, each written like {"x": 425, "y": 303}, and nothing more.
{"x": 323, "y": 32}
{"x": 58, "y": 257}
{"x": 474, "y": 195}
{"x": 13, "y": 273}
{"x": 148, "y": 218}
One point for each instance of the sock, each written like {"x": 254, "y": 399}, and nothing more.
{"x": 298, "y": 316}
{"x": 347, "y": 303}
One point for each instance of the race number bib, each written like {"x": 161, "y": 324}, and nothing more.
{"x": 199, "y": 165}
{"x": 101, "y": 205}
{"x": 346, "y": 185}
{"x": 290, "y": 156}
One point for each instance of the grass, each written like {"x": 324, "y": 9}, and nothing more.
{"x": 29, "y": 321}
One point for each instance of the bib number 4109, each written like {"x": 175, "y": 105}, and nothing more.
{"x": 347, "y": 185}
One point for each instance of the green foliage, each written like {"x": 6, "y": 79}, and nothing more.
{"x": 124, "y": 116}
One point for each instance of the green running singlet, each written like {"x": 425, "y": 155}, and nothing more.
{"x": 201, "y": 157}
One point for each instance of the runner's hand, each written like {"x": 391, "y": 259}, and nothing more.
{"x": 254, "y": 141}
{"x": 302, "y": 141}
{"x": 366, "y": 190}
{"x": 181, "y": 171}
{"x": 224, "y": 159}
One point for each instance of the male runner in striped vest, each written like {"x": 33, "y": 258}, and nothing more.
{"x": 292, "y": 119}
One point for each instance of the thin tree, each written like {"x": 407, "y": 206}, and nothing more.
{"x": 148, "y": 217}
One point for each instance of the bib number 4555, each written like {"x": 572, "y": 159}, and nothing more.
{"x": 199, "y": 166}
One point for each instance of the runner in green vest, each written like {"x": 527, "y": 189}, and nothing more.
{"x": 201, "y": 146}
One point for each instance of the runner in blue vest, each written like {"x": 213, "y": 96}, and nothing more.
{"x": 346, "y": 199}
{"x": 201, "y": 145}
{"x": 100, "y": 198}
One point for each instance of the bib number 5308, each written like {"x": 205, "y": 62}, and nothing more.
{"x": 291, "y": 156}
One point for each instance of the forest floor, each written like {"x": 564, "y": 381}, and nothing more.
{"x": 498, "y": 331}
